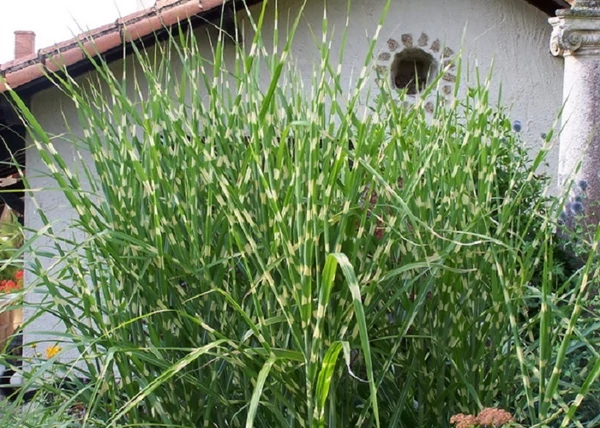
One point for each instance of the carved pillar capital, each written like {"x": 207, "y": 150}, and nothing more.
{"x": 576, "y": 31}
{"x": 586, "y": 4}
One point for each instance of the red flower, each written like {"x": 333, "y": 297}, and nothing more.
{"x": 6, "y": 286}
{"x": 19, "y": 274}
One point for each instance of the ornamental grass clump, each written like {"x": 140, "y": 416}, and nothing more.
{"x": 252, "y": 247}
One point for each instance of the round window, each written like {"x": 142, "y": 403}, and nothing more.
{"x": 411, "y": 70}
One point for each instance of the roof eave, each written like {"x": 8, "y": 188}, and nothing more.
{"x": 549, "y": 7}
{"x": 111, "y": 42}
{"x": 114, "y": 54}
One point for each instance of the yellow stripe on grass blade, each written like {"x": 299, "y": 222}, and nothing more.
{"x": 257, "y": 393}
{"x": 359, "y": 312}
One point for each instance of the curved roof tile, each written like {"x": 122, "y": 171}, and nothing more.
{"x": 100, "y": 40}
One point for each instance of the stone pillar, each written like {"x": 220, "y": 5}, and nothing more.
{"x": 576, "y": 37}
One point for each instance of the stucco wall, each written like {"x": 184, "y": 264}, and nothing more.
{"x": 511, "y": 33}
{"x": 47, "y": 107}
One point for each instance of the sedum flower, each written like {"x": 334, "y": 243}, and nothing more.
{"x": 491, "y": 417}
{"x": 463, "y": 421}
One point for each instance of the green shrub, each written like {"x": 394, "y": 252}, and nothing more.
{"x": 281, "y": 255}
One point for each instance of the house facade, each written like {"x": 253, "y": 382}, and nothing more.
{"x": 512, "y": 36}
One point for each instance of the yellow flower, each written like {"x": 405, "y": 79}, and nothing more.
{"x": 52, "y": 351}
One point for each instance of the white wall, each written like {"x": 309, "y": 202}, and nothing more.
{"x": 511, "y": 33}
{"x": 47, "y": 107}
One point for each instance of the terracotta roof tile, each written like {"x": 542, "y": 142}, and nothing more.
{"x": 100, "y": 40}
{"x": 24, "y": 75}
{"x": 19, "y": 63}
{"x": 139, "y": 26}
{"x": 95, "y": 34}
{"x": 171, "y": 15}
{"x": 56, "y": 61}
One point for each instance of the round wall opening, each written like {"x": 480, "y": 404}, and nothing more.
{"x": 412, "y": 69}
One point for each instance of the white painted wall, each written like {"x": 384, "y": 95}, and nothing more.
{"x": 52, "y": 202}
{"x": 511, "y": 33}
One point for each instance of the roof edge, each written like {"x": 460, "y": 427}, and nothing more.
{"x": 92, "y": 43}
{"x": 549, "y": 7}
